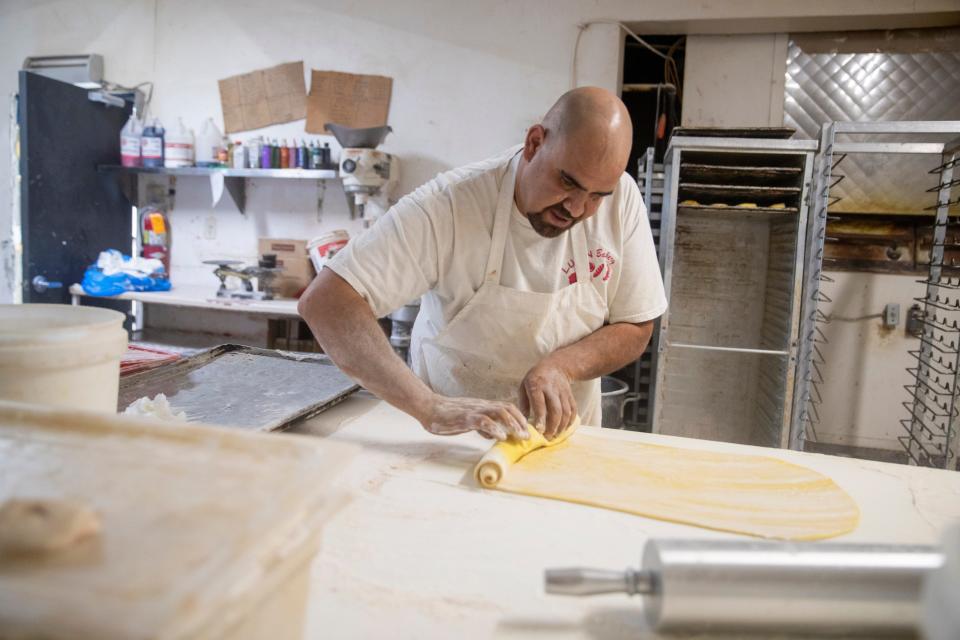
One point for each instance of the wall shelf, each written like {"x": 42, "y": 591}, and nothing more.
{"x": 234, "y": 180}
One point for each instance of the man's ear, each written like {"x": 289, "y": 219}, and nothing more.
{"x": 534, "y": 141}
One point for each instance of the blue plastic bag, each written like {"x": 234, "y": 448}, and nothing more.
{"x": 97, "y": 283}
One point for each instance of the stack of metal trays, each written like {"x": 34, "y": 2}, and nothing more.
{"x": 717, "y": 181}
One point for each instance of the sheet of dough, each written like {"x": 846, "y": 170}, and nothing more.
{"x": 747, "y": 494}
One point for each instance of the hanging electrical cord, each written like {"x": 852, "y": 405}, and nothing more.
{"x": 670, "y": 72}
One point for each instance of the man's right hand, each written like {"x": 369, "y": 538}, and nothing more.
{"x": 489, "y": 418}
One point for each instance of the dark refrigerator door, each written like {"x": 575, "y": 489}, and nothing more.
{"x": 69, "y": 212}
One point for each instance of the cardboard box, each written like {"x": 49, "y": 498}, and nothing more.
{"x": 282, "y": 246}
{"x": 263, "y": 97}
{"x": 347, "y": 99}
{"x": 292, "y": 257}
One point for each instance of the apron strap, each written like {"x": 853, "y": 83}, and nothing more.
{"x": 501, "y": 222}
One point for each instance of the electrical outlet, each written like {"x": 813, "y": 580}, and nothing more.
{"x": 891, "y": 315}
{"x": 210, "y": 228}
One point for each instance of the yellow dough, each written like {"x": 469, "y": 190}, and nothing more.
{"x": 501, "y": 456}
{"x": 753, "y": 495}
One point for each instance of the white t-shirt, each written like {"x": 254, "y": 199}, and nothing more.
{"x": 435, "y": 242}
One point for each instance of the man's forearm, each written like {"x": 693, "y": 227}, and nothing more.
{"x": 349, "y": 333}
{"x": 607, "y": 349}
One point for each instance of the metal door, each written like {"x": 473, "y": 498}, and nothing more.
{"x": 69, "y": 212}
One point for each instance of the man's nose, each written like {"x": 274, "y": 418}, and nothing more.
{"x": 576, "y": 204}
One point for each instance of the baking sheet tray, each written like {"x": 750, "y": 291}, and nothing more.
{"x": 765, "y": 175}
{"x": 246, "y": 387}
{"x": 738, "y": 190}
{"x": 735, "y": 210}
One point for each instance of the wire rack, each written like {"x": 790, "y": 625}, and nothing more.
{"x": 735, "y": 227}
{"x": 810, "y": 359}
{"x": 931, "y": 426}
{"x": 643, "y": 375}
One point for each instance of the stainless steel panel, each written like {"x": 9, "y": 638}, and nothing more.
{"x": 870, "y": 87}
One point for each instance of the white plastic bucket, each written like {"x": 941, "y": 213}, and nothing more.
{"x": 61, "y": 355}
{"x": 323, "y": 247}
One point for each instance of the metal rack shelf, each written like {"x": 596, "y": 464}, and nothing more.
{"x": 932, "y": 408}
{"x": 234, "y": 180}
{"x": 294, "y": 174}
{"x": 732, "y": 275}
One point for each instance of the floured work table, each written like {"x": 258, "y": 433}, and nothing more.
{"x": 421, "y": 552}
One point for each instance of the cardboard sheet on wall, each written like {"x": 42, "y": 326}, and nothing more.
{"x": 349, "y": 99}
{"x": 263, "y": 97}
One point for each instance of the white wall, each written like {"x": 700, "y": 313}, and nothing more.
{"x": 735, "y": 80}
{"x": 866, "y": 364}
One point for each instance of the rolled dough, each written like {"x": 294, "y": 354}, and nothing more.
{"x": 753, "y": 495}
{"x": 501, "y": 456}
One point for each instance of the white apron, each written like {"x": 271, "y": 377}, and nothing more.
{"x": 501, "y": 333}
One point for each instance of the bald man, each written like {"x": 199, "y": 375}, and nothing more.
{"x": 537, "y": 273}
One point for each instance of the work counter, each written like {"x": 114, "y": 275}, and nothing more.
{"x": 420, "y": 551}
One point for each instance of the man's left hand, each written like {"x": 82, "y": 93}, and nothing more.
{"x": 547, "y": 398}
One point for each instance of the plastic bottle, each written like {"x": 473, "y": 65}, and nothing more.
{"x": 266, "y": 155}
{"x": 302, "y": 155}
{"x": 274, "y": 155}
{"x": 151, "y": 144}
{"x": 130, "y": 142}
{"x": 315, "y": 156}
{"x": 239, "y": 155}
{"x": 325, "y": 160}
{"x": 178, "y": 146}
{"x": 208, "y": 142}
{"x": 284, "y": 155}
{"x": 223, "y": 152}
{"x": 253, "y": 153}
{"x": 292, "y": 151}
{"x": 155, "y": 235}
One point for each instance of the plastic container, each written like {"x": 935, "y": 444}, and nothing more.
{"x": 130, "y": 142}
{"x": 61, "y": 355}
{"x": 266, "y": 155}
{"x": 254, "y": 151}
{"x": 208, "y": 144}
{"x": 205, "y": 532}
{"x": 151, "y": 144}
{"x": 238, "y": 156}
{"x": 322, "y": 248}
{"x": 178, "y": 147}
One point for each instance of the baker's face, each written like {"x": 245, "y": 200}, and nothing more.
{"x": 565, "y": 182}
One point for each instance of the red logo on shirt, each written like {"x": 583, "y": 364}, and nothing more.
{"x": 600, "y": 265}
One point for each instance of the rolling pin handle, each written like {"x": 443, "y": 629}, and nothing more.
{"x": 589, "y": 582}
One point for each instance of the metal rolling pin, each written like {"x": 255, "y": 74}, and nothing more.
{"x": 746, "y": 585}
